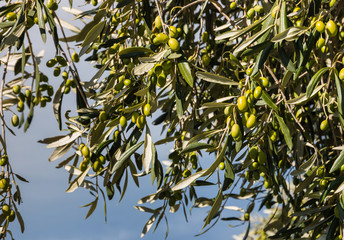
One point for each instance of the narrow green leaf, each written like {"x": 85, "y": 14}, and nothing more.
{"x": 92, "y": 208}
{"x": 285, "y": 131}
{"x": 314, "y": 81}
{"x": 283, "y": 18}
{"x": 233, "y": 34}
{"x": 195, "y": 147}
{"x": 147, "y": 150}
{"x": 134, "y": 51}
{"x": 340, "y": 93}
{"x": 267, "y": 99}
{"x": 215, "y": 208}
{"x": 78, "y": 180}
{"x": 302, "y": 99}
{"x": 93, "y": 34}
{"x": 250, "y": 40}
{"x": 289, "y": 34}
{"x": 214, "y": 78}
{"x": 57, "y": 104}
{"x": 187, "y": 181}
{"x": 185, "y": 70}
{"x": 125, "y": 157}
{"x": 287, "y": 76}
{"x": 286, "y": 61}
{"x": 338, "y": 162}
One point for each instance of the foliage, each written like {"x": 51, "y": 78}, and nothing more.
{"x": 256, "y": 85}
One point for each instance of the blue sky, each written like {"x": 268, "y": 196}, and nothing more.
{"x": 50, "y": 213}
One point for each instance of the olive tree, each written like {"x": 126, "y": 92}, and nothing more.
{"x": 248, "y": 94}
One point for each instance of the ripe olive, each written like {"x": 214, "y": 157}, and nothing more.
{"x": 235, "y": 131}
{"x": 324, "y": 125}
{"x": 242, "y": 104}
{"x": 320, "y": 26}
{"x": 331, "y": 28}
{"x": 123, "y": 121}
{"x": 174, "y": 44}
{"x": 147, "y": 109}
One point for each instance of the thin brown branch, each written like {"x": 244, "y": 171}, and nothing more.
{"x": 1, "y": 98}
{"x": 284, "y": 98}
{"x": 75, "y": 70}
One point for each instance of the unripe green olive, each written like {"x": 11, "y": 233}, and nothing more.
{"x": 242, "y": 104}
{"x": 103, "y": 116}
{"x": 85, "y": 151}
{"x": 235, "y": 131}
{"x": 174, "y": 44}
{"x": 250, "y": 13}
{"x": 324, "y": 125}
{"x": 15, "y": 120}
{"x": 75, "y": 57}
{"x": 157, "y": 22}
{"x": 331, "y": 28}
{"x": 251, "y": 121}
{"x": 11, "y": 16}
{"x": 147, "y": 109}
{"x": 320, "y": 26}
{"x": 123, "y": 121}
{"x": 141, "y": 121}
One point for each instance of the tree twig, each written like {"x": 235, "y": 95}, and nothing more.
{"x": 283, "y": 96}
